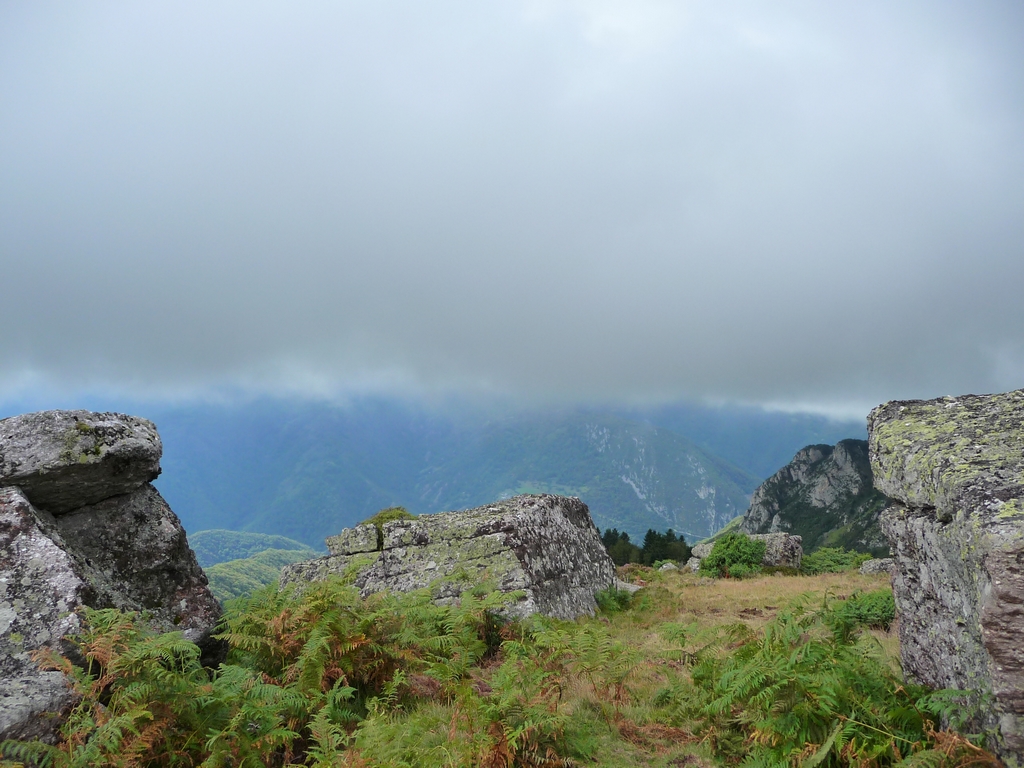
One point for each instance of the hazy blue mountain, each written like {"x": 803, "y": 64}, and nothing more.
{"x": 633, "y": 476}
{"x": 306, "y": 469}
{"x": 753, "y": 439}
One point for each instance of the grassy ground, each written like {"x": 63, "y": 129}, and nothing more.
{"x": 685, "y": 599}
{"x": 336, "y": 681}
{"x": 624, "y": 724}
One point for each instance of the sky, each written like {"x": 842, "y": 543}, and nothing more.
{"x": 802, "y": 205}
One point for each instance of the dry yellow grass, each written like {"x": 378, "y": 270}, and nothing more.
{"x": 708, "y": 603}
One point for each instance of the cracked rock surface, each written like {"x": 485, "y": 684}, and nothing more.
{"x": 80, "y": 525}
{"x": 546, "y": 546}
{"x": 954, "y": 468}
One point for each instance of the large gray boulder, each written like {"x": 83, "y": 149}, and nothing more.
{"x": 125, "y": 549}
{"x": 65, "y": 459}
{"x": 954, "y": 468}
{"x": 546, "y": 546}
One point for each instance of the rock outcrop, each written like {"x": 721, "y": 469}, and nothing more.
{"x": 826, "y": 495}
{"x": 782, "y": 550}
{"x": 80, "y": 525}
{"x": 954, "y": 468}
{"x": 545, "y": 546}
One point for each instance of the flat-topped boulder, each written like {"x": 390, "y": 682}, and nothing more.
{"x": 110, "y": 542}
{"x": 954, "y": 468}
{"x": 545, "y": 546}
{"x": 63, "y": 460}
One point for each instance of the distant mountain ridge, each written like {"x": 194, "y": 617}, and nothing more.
{"x": 825, "y": 494}
{"x": 633, "y": 476}
{"x": 305, "y": 469}
{"x": 311, "y": 474}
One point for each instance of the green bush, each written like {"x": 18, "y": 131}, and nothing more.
{"x": 388, "y": 515}
{"x": 613, "y": 600}
{"x": 866, "y": 609}
{"x": 743, "y": 571}
{"x": 730, "y": 551}
{"x": 832, "y": 560}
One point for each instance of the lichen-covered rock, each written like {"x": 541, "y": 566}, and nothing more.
{"x": 352, "y": 541}
{"x": 955, "y": 470}
{"x": 825, "y": 494}
{"x": 545, "y": 546}
{"x": 63, "y": 460}
{"x": 781, "y": 550}
{"x": 40, "y": 586}
{"x": 141, "y": 560}
{"x": 125, "y": 549}
{"x": 878, "y": 565}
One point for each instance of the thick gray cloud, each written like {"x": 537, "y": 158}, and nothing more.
{"x": 772, "y": 202}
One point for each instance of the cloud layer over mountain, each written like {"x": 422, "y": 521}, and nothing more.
{"x": 792, "y": 202}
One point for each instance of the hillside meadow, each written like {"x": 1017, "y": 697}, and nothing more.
{"x": 773, "y": 670}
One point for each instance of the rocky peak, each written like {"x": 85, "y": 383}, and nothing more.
{"x": 825, "y": 495}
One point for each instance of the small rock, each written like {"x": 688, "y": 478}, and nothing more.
{"x": 878, "y": 565}
{"x": 625, "y": 586}
{"x": 669, "y": 567}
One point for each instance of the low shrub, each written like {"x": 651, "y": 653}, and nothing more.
{"x": 730, "y": 551}
{"x": 876, "y": 610}
{"x": 613, "y": 600}
{"x": 744, "y": 571}
{"x": 832, "y": 560}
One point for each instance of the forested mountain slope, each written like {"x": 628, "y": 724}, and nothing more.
{"x": 308, "y": 472}
{"x": 305, "y": 469}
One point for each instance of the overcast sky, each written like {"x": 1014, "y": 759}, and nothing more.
{"x": 785, "y": 203}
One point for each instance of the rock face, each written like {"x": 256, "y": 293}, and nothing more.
{"x": 781, "y": 550}
{"x": 954, "y": 468}
{"x": 878, "y": 565}
{"x": 546, "y": 546}
{"x": 80, "y": 525}
{"x": 825, "y": 494}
